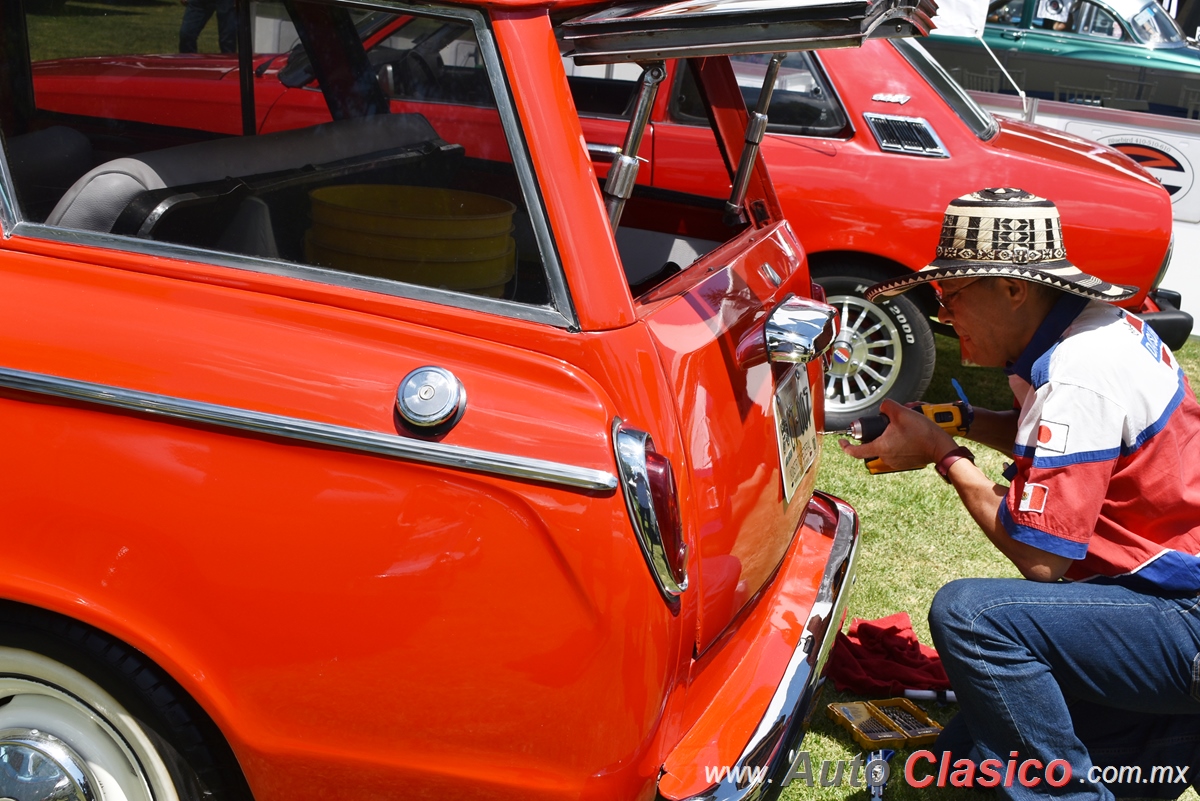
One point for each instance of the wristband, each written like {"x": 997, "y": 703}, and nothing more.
{"x": 943, "y": 465}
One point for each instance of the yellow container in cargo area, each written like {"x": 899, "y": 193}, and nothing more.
{"x": 377, "y": 246}
{"x": 479, "y": 276}
{"x": 415, "y": 212}
{"x": 417, "y": 234}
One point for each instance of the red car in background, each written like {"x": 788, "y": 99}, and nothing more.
{"x": 866, "y": 147}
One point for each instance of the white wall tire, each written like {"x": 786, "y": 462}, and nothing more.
{"x": 42, "y": 696}
{"x": 884, "y": 349}
{"x": 84, "y": 717}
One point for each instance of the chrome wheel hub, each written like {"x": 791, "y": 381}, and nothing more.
{"x": 64, "y": 738}
{"x": 35, "y": 766}
{"x": 864, "y": 360}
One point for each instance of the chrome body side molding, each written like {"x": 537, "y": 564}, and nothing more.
{"x": 354, "y": 439}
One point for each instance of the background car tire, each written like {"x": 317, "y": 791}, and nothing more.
{"x": 75, "y": 702}
{"x": 884, "y": 349}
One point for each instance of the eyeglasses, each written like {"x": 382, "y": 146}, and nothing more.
{"x": 944, "y": 300}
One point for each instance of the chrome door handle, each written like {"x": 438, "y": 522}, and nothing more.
{"x": 800, "y": 330}
{"x": 1016, "y": 36}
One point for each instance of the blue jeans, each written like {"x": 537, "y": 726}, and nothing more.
{"x": 1096, "y": 675}
{"x": 196, "y": 15}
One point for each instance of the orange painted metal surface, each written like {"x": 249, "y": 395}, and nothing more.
{"x": 559, "y": 151}
{"x": 727, "y": 409}
{"x": 738, "y": 674}
{"x": 359, "y": 624}
{"x": 471, "y": 592}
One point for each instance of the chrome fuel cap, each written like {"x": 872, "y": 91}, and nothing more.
{"x": 430, "y": 396}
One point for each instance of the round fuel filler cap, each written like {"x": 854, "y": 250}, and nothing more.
{"x": 431, "y": 396}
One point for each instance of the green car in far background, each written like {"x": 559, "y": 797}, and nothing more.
{"x": 1126, "y": 54}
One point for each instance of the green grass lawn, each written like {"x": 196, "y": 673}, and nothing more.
{"x": 85, "y": 28}
{"x": 916, "y": 536}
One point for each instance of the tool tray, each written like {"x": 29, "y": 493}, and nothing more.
{"x": 888, "y": 723}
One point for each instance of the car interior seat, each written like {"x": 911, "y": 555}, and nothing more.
{"x": 98, "y": 198}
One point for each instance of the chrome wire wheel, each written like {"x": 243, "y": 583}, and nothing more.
{"x": 865, "y": 358}
{"x": 64, "y": 738}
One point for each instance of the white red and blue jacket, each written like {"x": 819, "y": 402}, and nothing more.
{"x": 1107, "y": 452}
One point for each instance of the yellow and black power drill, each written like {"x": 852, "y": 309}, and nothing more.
{"x": 953, "y": 418}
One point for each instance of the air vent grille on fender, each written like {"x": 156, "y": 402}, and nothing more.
{"x": 905, "y": 135}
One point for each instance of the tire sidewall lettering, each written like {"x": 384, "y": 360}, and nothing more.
{"x": 913, "y": 341}
{"x": 895, "y": 313}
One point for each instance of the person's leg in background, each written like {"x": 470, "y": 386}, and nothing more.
{"x": 227, "y": 22}
{"x": 196, "y": 14}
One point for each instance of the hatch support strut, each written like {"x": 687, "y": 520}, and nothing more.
{"x": 622, "y": 175}
{"x": 755, "y": 130}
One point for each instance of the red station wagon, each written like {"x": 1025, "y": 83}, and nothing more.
{"x": 866, "y": 147}
{"x": 358, "y": 458}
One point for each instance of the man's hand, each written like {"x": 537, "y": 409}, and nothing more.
{"x": 911, "y": 440}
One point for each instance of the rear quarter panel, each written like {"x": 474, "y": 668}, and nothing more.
{"x": 451, "y": 628}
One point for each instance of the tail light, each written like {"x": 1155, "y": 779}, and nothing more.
{"x": 653, "y": 503}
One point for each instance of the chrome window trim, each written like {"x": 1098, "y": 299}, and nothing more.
{"x": 293, "y": 428}
{"x": 988, "y": 131}
{"x": 555, "y": 277}
{"x": 562, "y": 314}
{"x": 674, "y": 117}
{"x": 306, "y": 272}
{"x": 9, "y": 213}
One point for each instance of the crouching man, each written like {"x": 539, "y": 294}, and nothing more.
{"x": 1095, "y": 657}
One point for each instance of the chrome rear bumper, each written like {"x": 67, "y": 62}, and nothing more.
{"x": 768, "y": 756}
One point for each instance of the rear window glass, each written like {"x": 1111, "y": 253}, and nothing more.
{"x": 803, "y": 102}
{"x": 1154, "y": 26}
{"x": 977, "y": 119}
{"x": 603, "y": 90}
{"x": 381, "y": 161}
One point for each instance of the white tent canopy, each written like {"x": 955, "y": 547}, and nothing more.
{"x": 961, "y": 18}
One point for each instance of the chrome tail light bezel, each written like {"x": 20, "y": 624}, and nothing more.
{"x": 631, "y": 446}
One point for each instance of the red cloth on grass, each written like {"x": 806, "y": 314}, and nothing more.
{"x": 884, "y": 657}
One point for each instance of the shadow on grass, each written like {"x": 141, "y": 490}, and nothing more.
{"x": 986, "y": 387}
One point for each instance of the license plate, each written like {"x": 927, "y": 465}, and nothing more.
{"x": 795, "y": 428}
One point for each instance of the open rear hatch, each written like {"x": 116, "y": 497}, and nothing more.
{"x": 694, "y": 28}
{"x": 748, "y": 408}
{"x": 737, "y": 412}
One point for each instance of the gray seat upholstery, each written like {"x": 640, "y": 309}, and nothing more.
{"x": 97, "y": 199}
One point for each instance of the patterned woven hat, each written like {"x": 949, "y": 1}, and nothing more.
{"x": 1009, "y": 233}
